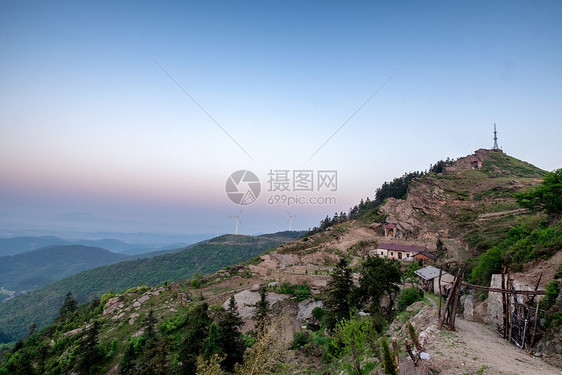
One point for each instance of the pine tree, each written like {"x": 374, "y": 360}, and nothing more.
{"x": 340, "y": 292}
{"x": 127, "y": 365}
{"x": 69, "y": 305}
{"x": 388, "y": 361}
{"x": 231, "y": 341}
{"x": 32, "y": 328}
{"x": 211, "y": 344}
{"x": 149, "y": 323}
{"x": 263, "y": 310}
{"x": 197, "y": 327}
{"x": 89, "y": 353}
{"x": 155, "y": 361}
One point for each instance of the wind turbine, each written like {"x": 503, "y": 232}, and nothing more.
{"x": 290, "y": 221}
{"x": 217, "y": 228}
{"x": 237, "y": 217}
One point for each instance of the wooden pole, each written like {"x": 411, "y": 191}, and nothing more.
{"x": 500, "y": 290}
{"x": 445, "y": 308}
{"x": 535, "y": 324}
{"x": 504, "y": 306}
{"x": 439, "y": 285}
{"x": 508, "y": 298}
{"x": 395, "y": 349}
{"x": 460, "y": 276}
{"x": 410, "y": 353}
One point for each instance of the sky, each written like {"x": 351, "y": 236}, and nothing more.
{"x": 131, "y": 115}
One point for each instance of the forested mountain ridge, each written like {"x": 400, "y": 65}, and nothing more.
{"x": 35, "y": 268}
{"x": 41, "y": 306}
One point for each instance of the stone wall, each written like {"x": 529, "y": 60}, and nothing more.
{"x": 494, "y": 314}
{"x": 312, "y": 280}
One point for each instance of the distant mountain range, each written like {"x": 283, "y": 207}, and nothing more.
{"x": 35, "y": 268}
{"x": 42, "y": 305}
{"x": 16, "y": 245}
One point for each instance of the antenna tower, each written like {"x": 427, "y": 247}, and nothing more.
{"x": 495, "y": 139}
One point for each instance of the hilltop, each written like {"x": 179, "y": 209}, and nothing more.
{"x": 459, "y": 211}
{"x": 468, "y": 205}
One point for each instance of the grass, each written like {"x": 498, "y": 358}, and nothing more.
{"x": 404, "y": 316}
{"x": 500, "y": 164}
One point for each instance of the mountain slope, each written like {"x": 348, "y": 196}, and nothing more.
{"x": 42, "y": 305}
{"x": 467, "y": 207}
{"x": 16, "y": 245}
{"x": 32, "y": 269}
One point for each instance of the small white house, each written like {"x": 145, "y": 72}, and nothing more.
{"x": 398, "y": 251}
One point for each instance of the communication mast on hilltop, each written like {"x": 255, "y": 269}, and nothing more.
{"x": 495, "y": 139}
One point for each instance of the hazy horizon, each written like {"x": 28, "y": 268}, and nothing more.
{"x": 97, "y": 116}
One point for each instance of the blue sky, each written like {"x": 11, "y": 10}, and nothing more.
{"x": 89, "y": 123}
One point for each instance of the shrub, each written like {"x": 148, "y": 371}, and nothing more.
{"x": 195, "y": 283}
{"x": 302, "y": 292}
{"x": 300, "y": 339}
{"x": 488, "y": 263}
{"x": 286, "y": 288}
{"x": 409, "y": 296}
{"x": 551, "y": 293}
{"x": 318, "y": 313}
{"x": 105, "y": 297}
{"x": 172, "y": 324}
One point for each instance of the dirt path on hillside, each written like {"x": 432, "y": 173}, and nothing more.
{"x": 475, "y": 349}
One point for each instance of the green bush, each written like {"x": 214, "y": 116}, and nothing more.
{"x": 172, "y": 324}
{"x": 409, "y": 296}
{"x": 553, "y": 320}
{"x": 302, "y": 292}
{"x": 488, "y": 263}
{"x": 551, "y": 293}
{"x": 318, "y": 313}
{"x": 286, "y": 288}
{"x": 300, "y": 339}
{"x": 319, "y": 339}
{"x": 105, "y": 297}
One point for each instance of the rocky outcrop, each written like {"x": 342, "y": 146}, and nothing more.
{"x": 112, "y": 304}
{"x": 246, "y": 299}
{"x": 305, "y": 309}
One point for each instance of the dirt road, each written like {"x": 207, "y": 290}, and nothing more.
{"x": 475, "y": 349}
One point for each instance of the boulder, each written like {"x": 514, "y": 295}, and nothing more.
{"x": 305, "y": 308}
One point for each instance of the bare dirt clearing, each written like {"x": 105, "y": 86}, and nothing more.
{"x": 475, "y": 349}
